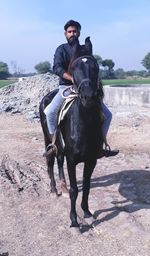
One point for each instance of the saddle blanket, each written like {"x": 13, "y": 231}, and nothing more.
{"x": 66, "y": 105}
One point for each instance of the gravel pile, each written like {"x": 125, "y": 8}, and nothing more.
{"x": 25, "y": 95}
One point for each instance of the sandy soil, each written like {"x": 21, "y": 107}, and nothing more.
{"x": 33, "y": 222}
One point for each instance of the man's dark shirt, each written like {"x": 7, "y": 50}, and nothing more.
{"x": 62, "y": 59}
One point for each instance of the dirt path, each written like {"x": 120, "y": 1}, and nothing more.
{"x": 35, "y": 223}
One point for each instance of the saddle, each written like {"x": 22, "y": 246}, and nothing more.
{"x": 67, "y": 104}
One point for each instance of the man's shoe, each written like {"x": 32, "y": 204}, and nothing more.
{"x": 108, "y": 153}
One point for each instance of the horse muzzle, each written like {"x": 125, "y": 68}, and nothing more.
{"x": 87, "y": 97}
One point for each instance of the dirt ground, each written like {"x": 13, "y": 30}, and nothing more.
{"x": 34, "y": 222}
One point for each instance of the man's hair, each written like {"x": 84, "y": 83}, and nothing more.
{"x": 72, "y": 23}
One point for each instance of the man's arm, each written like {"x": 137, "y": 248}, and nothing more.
{"x": 59, "y": 65}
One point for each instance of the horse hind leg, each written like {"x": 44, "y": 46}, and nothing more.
{"x": 60, "y": 162}
{"x": 50, "y": 164}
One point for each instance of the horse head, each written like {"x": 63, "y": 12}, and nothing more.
{"x": 85, "y": 71}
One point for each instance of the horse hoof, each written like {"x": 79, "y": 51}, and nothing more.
{"x": 65, "y": 195}
{"x": 88, "y": 221}
{"x": 54, "y": 193}
{"x": 74, "y": 225}
{"x": 59, "y": 194}
{"x": 65, "y": 192}
{"x": 75, "y": 230}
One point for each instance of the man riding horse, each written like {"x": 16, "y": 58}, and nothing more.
{"x": 62, "y": 60}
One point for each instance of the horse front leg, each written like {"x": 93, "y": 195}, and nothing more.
{"x": 73, "y": 193}
{"x": 88, "y": 170}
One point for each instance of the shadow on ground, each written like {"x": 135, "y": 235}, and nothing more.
{"x": 134, "y": 186}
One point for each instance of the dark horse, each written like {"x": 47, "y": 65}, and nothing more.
{"x": 81, "y": 130}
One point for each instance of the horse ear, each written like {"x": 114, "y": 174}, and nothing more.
{"x": 88, "y": 45}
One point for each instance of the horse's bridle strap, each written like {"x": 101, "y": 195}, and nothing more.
{"x": 77, "y": 89}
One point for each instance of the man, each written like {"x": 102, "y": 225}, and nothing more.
{"x": 62, "y": 59}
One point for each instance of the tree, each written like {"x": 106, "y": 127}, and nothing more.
{"x": 4, "y": 72}
{"x": 43, "y": 67}
{"x": 146, "y": 61}
{"x": 119, "y": 73}
{"x": 17, "y": 71}
{"x": 109, "y": 64}
{"x": 132, "y": 73}
{"x": 98, "y": 58}
{"x": 143, "y": 73}
{"x": 14, "y": 66}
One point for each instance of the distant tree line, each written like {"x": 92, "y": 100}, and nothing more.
{"x": 43, "y": 67}
{"x": 106, "y": 69}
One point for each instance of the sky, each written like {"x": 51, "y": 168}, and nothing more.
{"x": 31, "y": 30}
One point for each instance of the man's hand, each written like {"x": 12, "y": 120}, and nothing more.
{"x": 67, "y": 76}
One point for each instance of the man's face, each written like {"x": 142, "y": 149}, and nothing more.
{"x": 71, "y": 33}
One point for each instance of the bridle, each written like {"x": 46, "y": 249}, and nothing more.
{"x": 78, "y": 87}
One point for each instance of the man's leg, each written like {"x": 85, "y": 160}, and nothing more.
{"x": 107, "y": 119}
{"x": 51, "y": 112}
{"x": 105, "y": 127}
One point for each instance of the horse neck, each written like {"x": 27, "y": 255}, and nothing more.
{"x": 81, "y": 114}
{"x": 82, "y": 126}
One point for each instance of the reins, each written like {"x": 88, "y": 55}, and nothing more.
{"x": 77, "y": 88}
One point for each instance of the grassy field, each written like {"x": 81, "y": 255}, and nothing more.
{"x": 125, "y": 81}
{"x": 105, "y": 82}
{"x": 6, "y": 82}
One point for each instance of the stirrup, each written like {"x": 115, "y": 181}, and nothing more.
{"x": 107, "y": 147}
{"x": 107, "y": 152}
{"x": 51, "y": 150}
